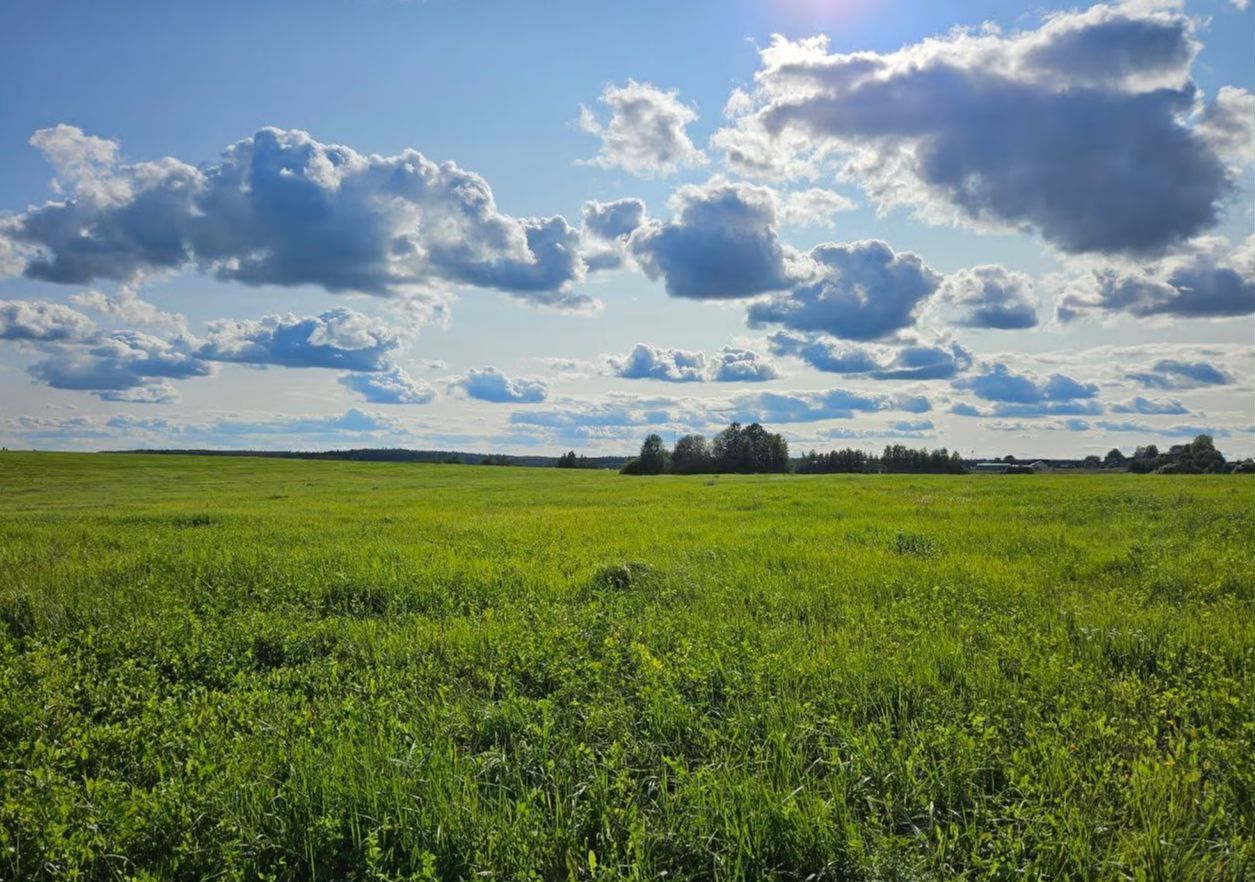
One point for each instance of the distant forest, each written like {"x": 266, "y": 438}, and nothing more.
{"x": 401, "y": 454}
{"x": 753, "y": 450}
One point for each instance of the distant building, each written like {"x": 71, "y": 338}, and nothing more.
{"x": 992, "y": 468}
{"x": 1040, "y": 466}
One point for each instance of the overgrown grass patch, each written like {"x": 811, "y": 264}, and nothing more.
{"x": 271, "y": 669}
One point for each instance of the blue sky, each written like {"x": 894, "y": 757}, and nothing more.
{"x": 532, "y": 227}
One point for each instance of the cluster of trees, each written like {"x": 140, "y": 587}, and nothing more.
{"x": 895, "y": 459}
{"x": 569, "y": 460}
{"x": 737, "y": 449}
{"x": 1199, "y": 457}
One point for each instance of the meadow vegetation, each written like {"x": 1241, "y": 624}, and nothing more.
{"x": 239, "y": 669}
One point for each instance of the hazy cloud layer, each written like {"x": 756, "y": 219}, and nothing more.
{"x": 1176, "y": 431}
{"x": 128, "y": 309}
{"x": 809, "y": 407}
{"x": 707, "y": 414}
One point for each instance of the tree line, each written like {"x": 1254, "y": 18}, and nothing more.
{"x": 569, "y": 460}
{"x": 896, "y": 459}
{"x": 753, "y": 450}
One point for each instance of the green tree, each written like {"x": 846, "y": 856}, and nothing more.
{"x": 654, "y": 457}
{"x": 691, "y": 456}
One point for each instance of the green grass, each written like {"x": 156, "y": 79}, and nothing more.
{"x": 262, "y": 669}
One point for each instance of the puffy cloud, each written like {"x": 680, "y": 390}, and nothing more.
{"x": 280, "y": 208}
{"x": 119, "y": 362}
{"x": 394, "y": 386}
{"x": 81, "y": 162}
{"x": 1208, "y": 279}
{"x": 864, "y": 291}
{"x": 721, "y": 244}
{"x": 911, "y": 362}
{"x": 647, "y": 362}
{"x": 925, "y": 363}
{"x": 825, "y": 355}
{"x": 1142, "y": 405}
{"x": 991, "y": 297}
{"x": 40, "y": 321}
{"x": 1171, "y": 373}
{"x": 489, "y": 384}
{"x": 996, "y": 382}
{"x": 1229, "y": 125}
{"x": 1077, "y": 129}
{"x": 733, "y": 364}
{"x": 645, "y": 134}
{"x": 606, "y": 228}
{"x": 613, "y": 220}
{"x": 553, "y": 261}
{"x": 339, "y": 338}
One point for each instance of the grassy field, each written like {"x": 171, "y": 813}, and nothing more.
{"x": 260, "y": 669}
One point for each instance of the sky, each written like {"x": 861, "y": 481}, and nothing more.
{"x": 533, "y": 227}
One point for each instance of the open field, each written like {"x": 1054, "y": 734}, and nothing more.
{"x": 263, "y": 669}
